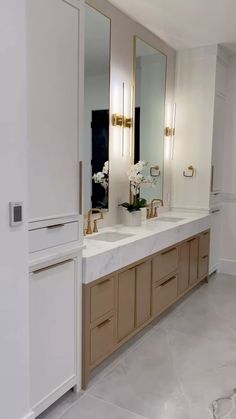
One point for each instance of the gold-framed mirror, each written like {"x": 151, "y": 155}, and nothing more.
{"x": 96, "y": 109}
{"x": 150, "y": 66}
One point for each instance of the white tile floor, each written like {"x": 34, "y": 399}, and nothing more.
{"x": 174, "y": 370}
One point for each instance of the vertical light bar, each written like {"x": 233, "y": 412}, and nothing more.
{"x": 123, "y": 113}
{"x": 132, "y": 133}
{"x": 173, "y": 131}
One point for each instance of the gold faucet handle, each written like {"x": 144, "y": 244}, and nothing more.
{"x": 98, "y": 210}
{"x": 95, "y": 226}
{"x": 148, "y": 211}
{"x": 89, "y": 228}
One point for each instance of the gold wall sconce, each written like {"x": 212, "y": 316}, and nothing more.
{"x": 117, "y": 120}
{"x": 189, "y": 172}
{"x": 121, "y": 121}
{"x": 169, "y": 132}
{"x": 128, "y": 122}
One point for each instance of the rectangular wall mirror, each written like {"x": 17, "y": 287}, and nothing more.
{"x": 96, "y": 99}
{"x": 149, "y": 114}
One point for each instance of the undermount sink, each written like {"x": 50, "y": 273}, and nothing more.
{"x": 169, "y": 219}
{"x": 110, "y": 236}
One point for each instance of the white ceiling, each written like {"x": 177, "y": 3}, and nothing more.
{"x": 185, "y": 23}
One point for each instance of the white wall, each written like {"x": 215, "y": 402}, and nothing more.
{"x": 14, "y": 377}
{"x": 228, "y": 230}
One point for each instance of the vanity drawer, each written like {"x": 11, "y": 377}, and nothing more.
{"x": 165, "y": 263}
{"x": 164, "y": 293}
{"x": 203, "y": 266}
{"x": 102, "y": 298}
{"x": 53, "y": 235}
{"x": 204, "y": 244}
{"x": 102, "y": 340}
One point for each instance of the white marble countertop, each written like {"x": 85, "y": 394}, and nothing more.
{"x": 102, "y": 258}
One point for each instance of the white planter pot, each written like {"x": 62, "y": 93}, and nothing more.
{"x": 132, "y": 219}
{"x": 144, "y": 214}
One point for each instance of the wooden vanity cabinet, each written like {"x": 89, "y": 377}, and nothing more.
{"x": 203, "y": 255}
{"x": 102, "y": 299}
{"x": 134, "y": 299}
{"x": 184, "y": 267}
{"x": 126, "y": 303}
{"x": 143, "y": 290}
{"x": 164, "y": 293}
{"x": 193, "y": 261}
{"x": 164, "y": 279}
{"x": 119, "y": 305}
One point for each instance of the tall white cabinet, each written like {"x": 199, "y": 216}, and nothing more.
{"x": 55, "y": 97}
{"x": 53, "y": 73}
{"x": 201, "y": 77}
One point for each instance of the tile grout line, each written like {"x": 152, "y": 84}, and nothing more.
{"x": 119, "y": 407}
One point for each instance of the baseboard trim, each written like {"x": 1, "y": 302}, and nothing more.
{"x": 29, "y": 415}
{"x": 52, "y": 397}
{"x": 227, "y": 266}
{"x": 214, "y": 269}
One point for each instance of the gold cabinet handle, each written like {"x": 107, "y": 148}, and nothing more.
{"x": 103, "y": 324}
{"x": 167, "y": 281}
{"x": 103, "y": 282}
{"x": 47, "y": 268}
{"x": 168, "y": 251}
{"x": 55, "y": 226}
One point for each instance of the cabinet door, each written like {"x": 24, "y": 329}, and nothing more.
{"x": 164, "y": 293}
{"x": 217, "y": 144}
{"x": 53, "y": 58}
{"x": 126, "y": 303}
{"x": 203, "y": 262}
{"x": 52, "y": 329}
{"x": 193, "y": 261}
{"x": 143, "y": 293}
{"x": 165, "y": 263}
{"x": 215, "y": 239}
{"x": 183, "y": 278}
{"x": 102, "y": 299}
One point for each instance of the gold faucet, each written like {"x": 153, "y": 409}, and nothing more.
{"x": 95, "y": 227}
{"x": 89, "y": 229}
{"x": 152, "y": 211}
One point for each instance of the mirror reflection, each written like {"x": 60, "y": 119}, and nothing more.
{"x": 150, "y": 88}
{"x": 97, "y": 94}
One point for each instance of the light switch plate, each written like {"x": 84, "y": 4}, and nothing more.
{"x": 15, "y": 213}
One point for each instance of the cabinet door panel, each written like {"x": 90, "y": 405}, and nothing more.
{"x": 183, "y": 278}
{"x": 164, "y": 293}
{"x": 193, "y": 261}
{"x": 165, "y": 263}
{"x": 102, "y": 340}
{"x": 102, "y": 298}
{"x": 204, "y": 244}
{"x": 215, "y": 239}
{"x": 52, "y": 329}
{"x": 143, "y": 293}
{"x": 203, "y": 266}
{"x": 126, "y": 303}
{"x": 52, "y": 42}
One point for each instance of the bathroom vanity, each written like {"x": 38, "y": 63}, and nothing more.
{"x": 130, "y": 281}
